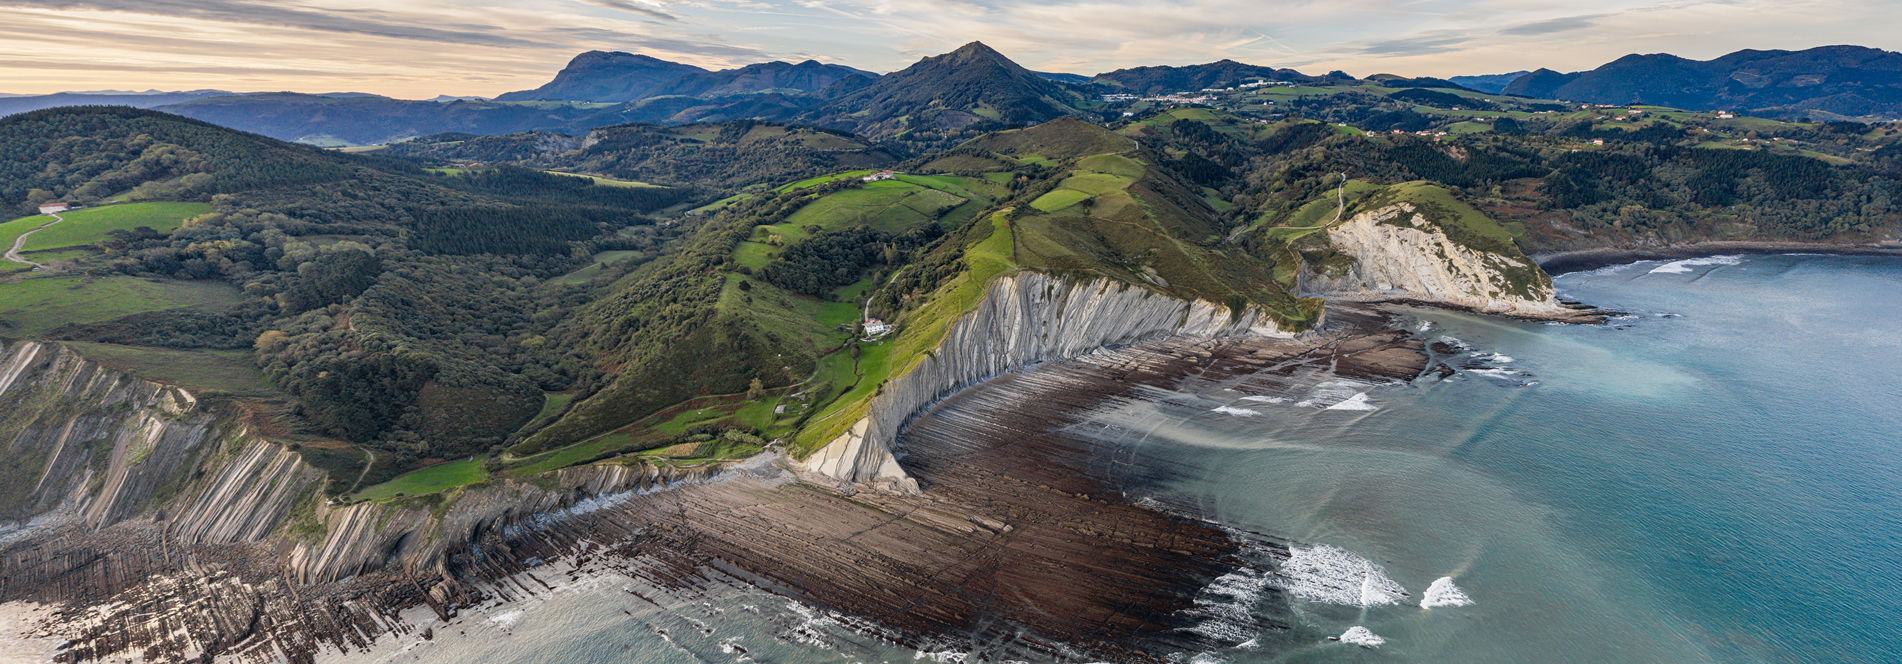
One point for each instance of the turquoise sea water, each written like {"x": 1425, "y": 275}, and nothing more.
{"x": 1715, "y": 478}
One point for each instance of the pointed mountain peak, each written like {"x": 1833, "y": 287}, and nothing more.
{"x": 978, "y": 53}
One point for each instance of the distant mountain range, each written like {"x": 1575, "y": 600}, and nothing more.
{"x": 976, "y": 89}
{"x": 1222, "y": 73}
{"x": 1491, "y": 83}
{"x": 1828, "y": 83}
{"x": 602, "y": 76}
{"x": 11, "y": 104}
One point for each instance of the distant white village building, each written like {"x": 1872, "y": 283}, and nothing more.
{"x": 881, "y": 175}
{"x": 875, "y": 328}
{"x": 1726, "y": 115}
{"x": 54, "y": 208}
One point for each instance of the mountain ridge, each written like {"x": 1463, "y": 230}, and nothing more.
{"x": 1825, "y": 82}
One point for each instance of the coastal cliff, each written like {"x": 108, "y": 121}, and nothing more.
{"x": 90, "y": 448}
{"x": 85, "y": 444}
{"x": 1410, "y": 251}
{"x": 1023, "y": 319}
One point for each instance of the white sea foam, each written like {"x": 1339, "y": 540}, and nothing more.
{"x": 1362, "y": 637}
{"x": 1262, "y": 399}
{"x": 1226, "y": 606}
{"x": 1356, "y": 402}
{"x": 1444, "y": 593}
{"x": 1231, "y": 410}
{"x": 1456, "y": 343}
{"x": 1494, "y": 357}
{"x": 506, "y": 620}
{"x": 1322, "y": 573}
{"x": 1502, "y": 374}
{"x": 1425, "y": 325}
{"x": 1688, "y": 264}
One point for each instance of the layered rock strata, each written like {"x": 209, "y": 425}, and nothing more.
{"x": 1399, "y": 254}
{"x": 1024, "y": 319}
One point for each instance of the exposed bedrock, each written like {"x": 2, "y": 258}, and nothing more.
{"x": 87, "y": 447}
{"x": 79, "y": 442}
{"x": 1398, "y": 254}
{"x": 1023, "y": 319}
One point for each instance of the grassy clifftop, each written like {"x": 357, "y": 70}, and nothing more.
{"x": 763, "y": 303}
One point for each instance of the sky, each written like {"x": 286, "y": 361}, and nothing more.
{"x": 423, "y": 48}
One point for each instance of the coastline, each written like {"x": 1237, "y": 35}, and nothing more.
{"x": 1562, "y": 262}
{"x": 1022, "y": 542}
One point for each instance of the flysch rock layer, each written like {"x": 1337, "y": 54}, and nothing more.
{"x": 1400, "y": 255}
{"x": 1024, "y": 319}
{"x": 88, "y": 447}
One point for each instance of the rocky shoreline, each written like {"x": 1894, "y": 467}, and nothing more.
{"x": 1019, "y": 539}
{"x": 1557, "y": 263}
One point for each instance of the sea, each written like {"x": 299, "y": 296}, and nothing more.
{"x": 1713, "y": 476}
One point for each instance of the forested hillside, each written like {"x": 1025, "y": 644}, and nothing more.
{"x": 725, "y": 154}
{"x": 398, "y": 309}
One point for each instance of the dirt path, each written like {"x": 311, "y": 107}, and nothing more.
{"x": 18, "y": 242}
{"x": 1340, "y": 207}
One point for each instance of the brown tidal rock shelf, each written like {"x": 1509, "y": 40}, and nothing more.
{"x": 1020, "y": 544}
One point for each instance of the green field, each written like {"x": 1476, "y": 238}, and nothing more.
{"x": 89, "y": 225}
{"x": 33, "y": 307}
{"x": 230, "y": 372}
{"x": 816, "y": 181}
{"x": 609, "y": 182}
{"x": 891, "y": 205}
{"x": 593, "y": 267}
{"x": 1059, "y": 199}
{"x": 440, "y": 477}
{"x": 573, "y": 454}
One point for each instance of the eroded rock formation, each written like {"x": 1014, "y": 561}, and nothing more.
{"x": 1399, "y": 253}
{"x": 1023, "y": 319}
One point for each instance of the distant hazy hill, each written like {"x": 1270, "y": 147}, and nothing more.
{"x": 950, "y": 92}
{"x": 607, "y": 77}
{"x": 1223, "y": 73}
{"x": 22, "y": 103}
{"x": 808, "y": 76}
{"x": 725, "y": 154}
{"x": 369, "y": 119}
{"x": 1492, "y": 83}
{"x": 601, "y": 76}
{"x": 1825, "y": 82}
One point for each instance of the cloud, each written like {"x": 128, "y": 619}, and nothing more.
{"x": 1549, "y": 26}
{"x": 1416, "y": 45}
{"x": 351, "y": 21}
{"x": 635, "y": 6}
{"x": 425, "y": 47}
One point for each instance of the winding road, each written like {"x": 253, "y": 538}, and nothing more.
{"x": 13, "y": 254}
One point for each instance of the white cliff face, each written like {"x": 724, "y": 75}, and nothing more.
{"x": 1024, "y": 319}
{"x": 1401, "y": 255}
{"x": 369, "y": 536}
{"x": 91, "y": 447}
{"x": 85, "y": 443}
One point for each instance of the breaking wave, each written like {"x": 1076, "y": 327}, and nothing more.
{"x": 1330, "y": 575}
{"x": 1356, "y": 402}
{"x": 1362, "y": 637}
{"x": 1444, "y": 593}
{"x": 1231, "y": 410}
{"x": 1688, "y": 264}
{"x": 1262, "y": 399}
